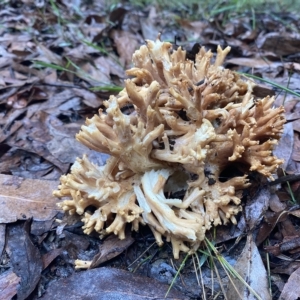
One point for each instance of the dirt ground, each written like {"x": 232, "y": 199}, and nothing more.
{"x": 59, "y": 60}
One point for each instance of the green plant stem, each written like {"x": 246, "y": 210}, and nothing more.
{"x": 175, "y": 277}
{"x": 271, "y": 83}
{"x": 294, "y": 201}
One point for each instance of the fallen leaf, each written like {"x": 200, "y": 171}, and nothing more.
{"x": 226, "y": 233}
{"x": 258, "y": 63}
{"x": 108, "y": 284}
{"x": 24, "y": 257}
{"x": 295, "y": 213}
{"x": 262, "y": 91}
{"x": 288, "y": 228}
{"x": 111, "y": 248}
{"x": 279, "y": 43}
{"x": 276, "y": 205}
{"x": 253, "y": 62}
{"x": 251, "y": 268}
{"x": 92, "y": 75}
{"x": 50, "y": 256}
{"x": 26, "y": 198}
{"x": 255, "y": 209}
{"x": 278, "y": 281}
{"x": 2, "y": 237}
{"x": 291, "y": 290}
{"x": 288, "y": 267}
{"x": 89, "y": 98}
{"x": 296, "y": 148}
{"x": 63, "y": 145}
{"x": 126, "y": 44}
{"x": 274, "y": 250}
{"x": 284, "y": 148}
{"x": 296, "y": 122}
{"x": 270, "y": 221}
{"x": 8, "y": 285}
{"x": 41, "y": 227}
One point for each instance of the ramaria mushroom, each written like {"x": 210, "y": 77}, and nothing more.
{"x": 181, "y": 135}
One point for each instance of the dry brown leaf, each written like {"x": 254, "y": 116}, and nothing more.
{"x": 24, "y": 257}
{"x": 2, "y": 237}
{"x": 296, "y": 122}
{"x": 284, "y": 148}
{"x": 48, "y": 257}
{"x": 92, "y": 75}
{"x": 288, "y": 228}
{"x": 288, "y": 266}
{"x": 108, "y": 283}
{"x": 258, "y": 62}
{"x": 8, "y": 285}
{"x": 148, "y": 26}
{"x": 296, "y": 148}
{"x": 63, "y": 145}
{"x": 94, "y": 29}
{"x": 276, "y": 205}
{"x": 47, "y": 56}
{"x": 256, "y": 208}
{"x": 270, "y": 221}
{"x": 280, "y": 43}
{"x": 89, "y": 98}
{"x": 291, "y": 290}
{"x": 295, "y": 213}
{"x": 251, "y": 268}
{"x": 278, "y": 281}
{"x": 21, "y": 199}
{"x": 111, "y": 248}
{"x": 126, "y": 44}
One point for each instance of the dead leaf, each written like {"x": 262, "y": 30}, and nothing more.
{"x": 288, "y": 267}
{"x": 288, "y": 228}
{"x": 276, "y": 205}
{"x": 255, "y": 209}
{"x": 262, "y": 91}
{"x": 47, "y": 56}
{"x": 8, "y": 285}
{"x": 258, "y": 63}
{"x": 111, "y": 248}
{"x": 284, "y": 148}
{"x": 278, "y": 281}
{"x": 92, "y": 75}
{"x": 290, "y": 243}
{"x": 295, "y": 213}
{"x": 251, "y": 268}
{"x": 274, "y": 250}
{"x": 26, "y": 198}
{"x": 253, "y": 62}
{"x": 2, "y": 237}
{"x": 89, "y": 98}
{"x": 126, "y": 44}
{"x": 280, "y": 43}
{"x": 270, "y": 221}
{"x": 41, "y": 227}
{"x": 226, "y": 233}
{"x": 291, "y": 290}
{"x": 24, "y": 257}
{"x": 63, "y": 145}
{"x": 110, "y": 284}
{"x": 296, "y": 148}
{"x": 50, "y": 256}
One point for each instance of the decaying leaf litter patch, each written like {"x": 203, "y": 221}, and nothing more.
{"x": 59, "y": 61}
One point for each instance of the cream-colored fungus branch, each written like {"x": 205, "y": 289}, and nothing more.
{"x": 179, "y": 136}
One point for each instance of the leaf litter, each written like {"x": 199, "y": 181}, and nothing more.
{"x": 59, "y": 60}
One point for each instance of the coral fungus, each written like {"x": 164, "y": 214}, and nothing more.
{"x": 190, "y": 122}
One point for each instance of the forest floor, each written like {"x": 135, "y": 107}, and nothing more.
{"x": 59, "y": 60}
